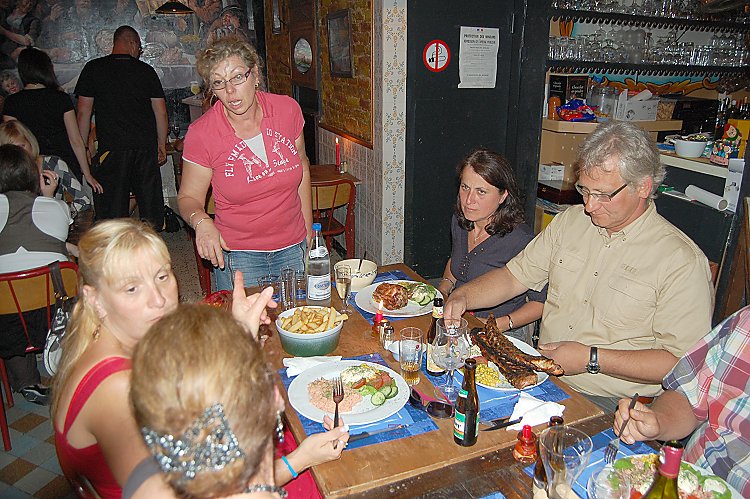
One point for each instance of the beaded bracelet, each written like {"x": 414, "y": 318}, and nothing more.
{"x": 289, "y": 466}
{"x": 199, "y": 222}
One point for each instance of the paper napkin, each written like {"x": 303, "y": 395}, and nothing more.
{"x": 533, "y": 411}
{"x": 295, "y": 365}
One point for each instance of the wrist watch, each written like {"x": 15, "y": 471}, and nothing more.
{"x": 593, "y": 366}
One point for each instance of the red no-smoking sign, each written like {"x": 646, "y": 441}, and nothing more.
{"x": 436, "y": 55}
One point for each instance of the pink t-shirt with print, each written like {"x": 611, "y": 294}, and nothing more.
{"x": 257, "y": 204}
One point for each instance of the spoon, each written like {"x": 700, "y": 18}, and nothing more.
{"x": 359, "y": 267}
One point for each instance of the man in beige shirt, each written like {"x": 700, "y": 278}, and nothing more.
{"x": 628, "y": 292}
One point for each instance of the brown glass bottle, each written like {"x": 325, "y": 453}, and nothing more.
{"x": 540, "y": 475}
{"x": 466, "y": 422}
{"x": 437, "y": 313}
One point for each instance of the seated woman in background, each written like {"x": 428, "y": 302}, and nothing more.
{"x": 33, "y": 230}
{"x": 126, "y": 286}
{"x": 488, "y": 230}
{"x": 15, "y": 132}
{"x": 189, "y": 385}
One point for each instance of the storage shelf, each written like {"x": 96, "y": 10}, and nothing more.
{"x": 698, "y": 165}
{"x": 588, "y": 127}
{"x": 709, "y": 24}
{"x": 575, "y": 66}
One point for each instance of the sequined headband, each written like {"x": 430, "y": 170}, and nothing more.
{"x": 207, "y": 444}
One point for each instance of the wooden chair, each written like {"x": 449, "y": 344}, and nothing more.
{"x": 22, "y": 292}
{"x": 204, "y": 266}
{"x": 326, "y": 197}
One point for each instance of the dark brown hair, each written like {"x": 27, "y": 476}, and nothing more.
{"x": 18, "y": 172}
{"x": 496, "y": 171}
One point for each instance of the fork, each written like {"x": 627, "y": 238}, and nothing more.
{"x": 610, "y": 453}
{"x": 338, "y": 396}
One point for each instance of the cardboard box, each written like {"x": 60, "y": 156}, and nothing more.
{"x": 635, "y": 109}
{"x": 555, "y": 171}
{"x": 568, "y": 86}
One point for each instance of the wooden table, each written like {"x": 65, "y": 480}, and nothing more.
{"x": 324, "y": 173}
{"x": 430, "y": 464}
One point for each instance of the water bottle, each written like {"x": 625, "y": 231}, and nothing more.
{"x": 318, "y": 271}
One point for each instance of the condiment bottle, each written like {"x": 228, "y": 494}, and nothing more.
{"x": 665, "y": 484}
{"x": 540, "y": 474}
{"x": 466, "y": 422}
{"x": 384, "y": 323}
{"x": 525, "y": 449}
{"x": 437, "y": 313}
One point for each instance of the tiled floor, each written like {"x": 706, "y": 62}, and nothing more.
{"x": 31, "y": 469}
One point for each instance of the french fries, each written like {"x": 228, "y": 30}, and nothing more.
{"x": 308, "y": 320}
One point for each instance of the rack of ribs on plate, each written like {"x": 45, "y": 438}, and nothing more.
{"x": 516, "y": 366}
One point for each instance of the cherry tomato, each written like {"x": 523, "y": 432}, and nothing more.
{"x": 359, "y": 384}
{"x": 377, "y": 383}
{"x": 386, "y": 378}
{"x": 634, "y": 494}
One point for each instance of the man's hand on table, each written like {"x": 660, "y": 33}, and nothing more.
{"x": 571, "y": 355}
{"x": 644, "y": 424}
{"x": 250, "y": 311}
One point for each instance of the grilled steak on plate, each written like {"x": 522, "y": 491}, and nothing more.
{"x": 393, "y": 296}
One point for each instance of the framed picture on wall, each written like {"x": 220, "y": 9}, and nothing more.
{"x": 340, "y": 43}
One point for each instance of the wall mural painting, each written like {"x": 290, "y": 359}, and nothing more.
{"x": 661, "y": 85}
{"x": 75, "y": 31}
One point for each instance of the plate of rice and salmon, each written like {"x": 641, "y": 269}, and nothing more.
{"x": 372, "y": 392}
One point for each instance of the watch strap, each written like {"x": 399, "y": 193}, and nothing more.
{"x": 593, "y": 366}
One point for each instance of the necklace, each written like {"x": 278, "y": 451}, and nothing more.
{"x": 267, "y": 488}
{"x": 482, "y": 235}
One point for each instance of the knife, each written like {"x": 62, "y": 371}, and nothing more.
{"x": 365, "y": 434}
{"x": 501, "y": 423}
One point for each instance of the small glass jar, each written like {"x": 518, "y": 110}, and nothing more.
{"x": 343, "y": 167}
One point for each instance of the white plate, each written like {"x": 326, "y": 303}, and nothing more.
{"x": 412, "y": 309}
{"x": 364, "y": 412}
{"x": 541, "y": 377}
{"x": 699, "y": 470}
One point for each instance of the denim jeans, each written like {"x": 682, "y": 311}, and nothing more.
{"x": 255, "y": 264}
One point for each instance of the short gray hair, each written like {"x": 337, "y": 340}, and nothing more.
{"x": 631, "y": 145}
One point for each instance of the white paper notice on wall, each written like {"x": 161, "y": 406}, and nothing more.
{"x": 477, "y": 57}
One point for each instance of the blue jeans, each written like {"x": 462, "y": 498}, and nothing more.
{"x": 255, "y": 264}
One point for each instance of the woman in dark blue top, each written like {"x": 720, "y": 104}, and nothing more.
{"x": 488, "y": 230}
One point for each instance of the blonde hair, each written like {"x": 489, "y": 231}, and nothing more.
{"x": 12, "y": 130}
{"x": 192, "y": 358}
{"x": 224, "y": 48}
{"x": 106, "y": 253}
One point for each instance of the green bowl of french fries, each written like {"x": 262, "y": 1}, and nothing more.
{"x": 309, "y": 331}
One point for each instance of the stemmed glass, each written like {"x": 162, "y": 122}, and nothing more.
{"x": 449, "y": 350}
{"x": 343, "y": 285}
{"x": 175, "y": 129}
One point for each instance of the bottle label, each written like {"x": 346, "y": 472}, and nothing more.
{"x": 437, "y": 312}
{"x": 431, "y": 366}
{"x": 319, "y": 287}
{"x": 319, "y": 251}
{"x": 459, "y": 425}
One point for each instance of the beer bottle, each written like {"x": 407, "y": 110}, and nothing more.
{"x": 540, "y": 474}
{"x": 466, "y": 423}
{"x": 665, "y": 484}
{"x": 437, "y": 313}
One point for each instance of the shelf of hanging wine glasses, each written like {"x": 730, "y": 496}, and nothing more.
{"x": 713, "y": 25}
{"x": 644, "y": 69}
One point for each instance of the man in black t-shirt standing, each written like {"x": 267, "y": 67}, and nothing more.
{"x": 131, "y": 128}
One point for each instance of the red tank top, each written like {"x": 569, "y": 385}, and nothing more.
{"x": 89, "y": 461}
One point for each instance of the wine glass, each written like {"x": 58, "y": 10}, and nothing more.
{"x": 195, "y": 87}
{"x": 604, "y": 483}
{"x": 175, "y": 129}
{"x": 343, "y": 285}
{"x": 449, "y": 350}
{"x": 565, "y": 453}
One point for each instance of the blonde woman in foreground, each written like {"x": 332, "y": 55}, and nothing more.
{"x": 127, "y": 285}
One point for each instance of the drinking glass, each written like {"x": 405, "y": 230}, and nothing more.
{"x": 195, "y": 87}
{"x": 604, "y": 484}
{"x": 270, "y": 280}
{"x": 343, "y": 285}
{"x": 449, "y": 350}
{"x": 565, "y": 453}
{"x": 410, "y": 350}
{"x": 175, "y": 129}
{"x": 288, "y": 287}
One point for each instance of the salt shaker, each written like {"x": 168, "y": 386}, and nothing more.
{"x": 387, "y": 336}
{"x": 343, "y": 167}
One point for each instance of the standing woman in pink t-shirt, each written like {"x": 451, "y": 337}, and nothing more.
{"x": 249, "y": 148}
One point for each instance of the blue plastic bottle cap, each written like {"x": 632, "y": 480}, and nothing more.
{"x": 316, "y": 226}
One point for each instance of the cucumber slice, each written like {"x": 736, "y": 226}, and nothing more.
{"x": 393, "y": 392}
{"x": 367, "y": 390}
{"x": 386, "y": 390}
{"x": 378, "y": 398}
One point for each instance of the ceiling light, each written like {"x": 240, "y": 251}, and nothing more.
{"x": 173, "y": 7}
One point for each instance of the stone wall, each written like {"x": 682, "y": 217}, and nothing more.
{"x": 278, "y": 51}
